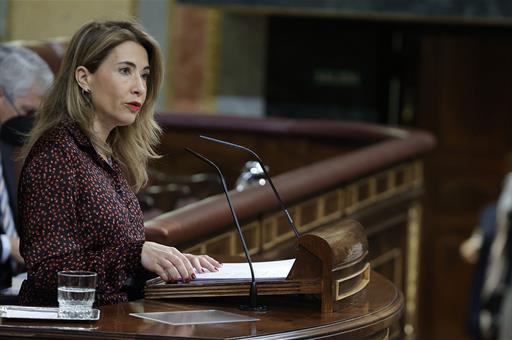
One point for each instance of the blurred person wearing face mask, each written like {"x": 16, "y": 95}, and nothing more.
{"x": 24, "y": 77}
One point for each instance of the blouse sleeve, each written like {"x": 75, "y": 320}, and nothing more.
{"x": 51, "y": 240}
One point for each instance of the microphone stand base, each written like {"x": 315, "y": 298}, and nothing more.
{"x": 257, "y": 308}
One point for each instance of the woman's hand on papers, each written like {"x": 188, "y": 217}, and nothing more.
{"x": 167, "y": 262}
{"x": 201, "y": 263}
{"x": 172, "y": 265}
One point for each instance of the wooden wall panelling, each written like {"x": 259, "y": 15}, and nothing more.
{"x": 464, "y": 88}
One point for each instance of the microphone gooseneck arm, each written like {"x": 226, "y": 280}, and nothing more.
{"x": 243, "y": 148}
{"x": 253, "y": 294}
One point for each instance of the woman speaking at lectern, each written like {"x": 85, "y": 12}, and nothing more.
{"x": 84, "y": 159}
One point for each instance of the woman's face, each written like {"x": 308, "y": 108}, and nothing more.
{"x": 118, "y": 87}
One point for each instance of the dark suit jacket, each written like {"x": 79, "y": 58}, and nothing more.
{"x": 12, "y": 134}
{"x": 9, "y": 172}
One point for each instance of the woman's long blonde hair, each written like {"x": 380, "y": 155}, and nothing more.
{"x": 133, "y": 145}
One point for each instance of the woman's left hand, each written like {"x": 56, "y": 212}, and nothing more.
{"x": 202, "y": 262}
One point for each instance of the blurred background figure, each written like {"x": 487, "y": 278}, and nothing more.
{"x": 24, "y": 77}
{"x": 489, "y": 248}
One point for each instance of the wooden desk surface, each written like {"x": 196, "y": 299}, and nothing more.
{"x": 289, "y": 317}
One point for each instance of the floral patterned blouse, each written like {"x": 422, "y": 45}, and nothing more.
{"x": 77, "y": 212}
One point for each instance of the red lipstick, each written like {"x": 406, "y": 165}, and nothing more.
{"x": 134, "y": 106}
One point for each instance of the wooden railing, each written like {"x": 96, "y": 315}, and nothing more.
{"x": 388, "y": 160}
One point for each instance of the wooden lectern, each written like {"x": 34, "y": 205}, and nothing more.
{"x": 331, "y": 261}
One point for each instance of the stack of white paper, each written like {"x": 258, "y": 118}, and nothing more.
{"x": 241, "y": 271}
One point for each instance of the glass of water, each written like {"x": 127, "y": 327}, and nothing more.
{"x": 76, "y": 290}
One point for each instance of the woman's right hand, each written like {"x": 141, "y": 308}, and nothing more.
{"x": 167, "y": 262}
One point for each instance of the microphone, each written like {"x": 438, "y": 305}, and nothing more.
{"x": 243, "y": 148}
{"x": 253, "y": 292}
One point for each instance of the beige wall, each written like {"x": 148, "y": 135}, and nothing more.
{"x": 40, "y": 19}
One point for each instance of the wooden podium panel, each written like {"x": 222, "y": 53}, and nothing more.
{"x": 369, "y": 315}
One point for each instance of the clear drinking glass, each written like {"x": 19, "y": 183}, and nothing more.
{"x": 76, "y": 291}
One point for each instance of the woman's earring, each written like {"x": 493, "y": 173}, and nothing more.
{"x": 85, "y": 92}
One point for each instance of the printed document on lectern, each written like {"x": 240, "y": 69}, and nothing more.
{"x": 240, "y": 271}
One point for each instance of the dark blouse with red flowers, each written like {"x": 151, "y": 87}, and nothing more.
{"x": 77, "y": 212}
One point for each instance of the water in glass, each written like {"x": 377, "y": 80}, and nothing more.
{"x": 76, "y": 292}
{"x": 75, "y": 302}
